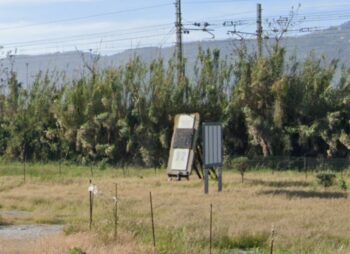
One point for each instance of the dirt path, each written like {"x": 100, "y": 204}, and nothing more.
{"x": 25, "y": 232}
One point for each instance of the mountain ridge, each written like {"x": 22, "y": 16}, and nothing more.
{"x": 328, "y": 42}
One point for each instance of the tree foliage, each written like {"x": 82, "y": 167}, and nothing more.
{"x": 269, "y": 106}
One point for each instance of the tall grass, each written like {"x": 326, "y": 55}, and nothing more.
{"x": 242, "y": 214}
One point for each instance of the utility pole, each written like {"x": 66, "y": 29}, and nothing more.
{"x": 179, "y": 48}
{"x": 259, "y": 30}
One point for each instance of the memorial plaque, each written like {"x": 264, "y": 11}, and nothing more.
{"x": 183, "y": 144}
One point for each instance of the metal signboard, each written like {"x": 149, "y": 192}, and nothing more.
{"x": 212, "y": 152}
{"x": 183, "y": 145}
{"x": 212, "y": 145}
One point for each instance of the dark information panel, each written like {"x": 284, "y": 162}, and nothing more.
{"x": 183, "y": 138}
{"x": 213, "y": 145}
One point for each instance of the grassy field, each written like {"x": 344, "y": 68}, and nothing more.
{"x": 307, "y": 218}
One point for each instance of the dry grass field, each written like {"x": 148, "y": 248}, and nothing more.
{"x": 307, "y": 218}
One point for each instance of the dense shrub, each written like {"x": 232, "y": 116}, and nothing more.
{"x": 326, "y": 179}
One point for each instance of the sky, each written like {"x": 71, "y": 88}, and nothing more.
{"x": 111, "y": 26}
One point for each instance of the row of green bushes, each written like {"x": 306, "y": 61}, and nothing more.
{"x": 269, "y": 106}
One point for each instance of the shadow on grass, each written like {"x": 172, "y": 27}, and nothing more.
{"x": 305, "y": 194}
{"x": 242, "y": 243}
{"x": 3, "y": 222}
{"x": 279, "y": 184}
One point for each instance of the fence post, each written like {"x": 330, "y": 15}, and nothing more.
{"x": 116, "y": 213}
{"x": 211, "y": 228}
{"x": 152, "y": 221}
{"x": 272, "y": 239}
{"x": 91, "y": 203}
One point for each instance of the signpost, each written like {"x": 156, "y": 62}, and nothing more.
{"x": 212, "y": 134}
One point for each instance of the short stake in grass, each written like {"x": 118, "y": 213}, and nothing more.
{"x": 211, "y": 228}
{"x": 92, "y": 191}
{"x": 152, "y": 220}
{"x": 272, "y": 239}
{"x": 116, "y": 213}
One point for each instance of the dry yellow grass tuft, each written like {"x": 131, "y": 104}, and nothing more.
{"x": 307, "y": 218}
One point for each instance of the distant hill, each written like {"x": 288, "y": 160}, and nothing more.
{"x": 333, "y": 42}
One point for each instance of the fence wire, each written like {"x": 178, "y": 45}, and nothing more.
{"x": 281, "y": 163}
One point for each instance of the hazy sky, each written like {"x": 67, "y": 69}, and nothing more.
{"x": 38, "y": 26}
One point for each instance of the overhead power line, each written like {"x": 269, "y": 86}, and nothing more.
{"x": 250, "y": 20}
{"x": 101, "y": 35}
{"x": 87, "y": 17}
{"x": 94, "y": 42}
{"x": 208, "y": 25}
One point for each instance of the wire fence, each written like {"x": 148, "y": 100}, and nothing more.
{"x": 281, "y": 163}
